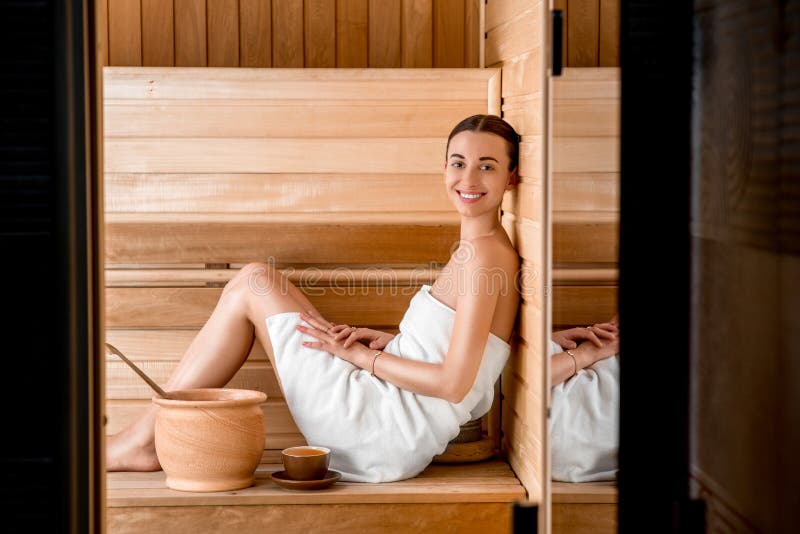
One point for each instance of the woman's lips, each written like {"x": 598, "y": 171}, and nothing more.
{"x": 470, "y": 198}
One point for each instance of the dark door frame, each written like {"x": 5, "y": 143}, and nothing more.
{"x": 654, "y": 263}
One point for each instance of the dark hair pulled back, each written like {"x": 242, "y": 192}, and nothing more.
{"x": 490, "y": 124}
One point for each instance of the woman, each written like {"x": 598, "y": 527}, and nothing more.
{"x": 584, "y": 403}
{"x": 384, "y": 404}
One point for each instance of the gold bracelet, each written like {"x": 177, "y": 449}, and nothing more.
{"x": 575, "y": 361}
{"x": 373, "y": 361}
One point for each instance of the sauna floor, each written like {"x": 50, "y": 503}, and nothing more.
{"x": 474, "y": 497}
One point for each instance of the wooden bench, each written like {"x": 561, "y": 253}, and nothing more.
{"x": 585, "y": 508}
{"x": 471, "y": 497}
{"x": 333, "y": 175}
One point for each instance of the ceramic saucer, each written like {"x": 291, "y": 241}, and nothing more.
{"x": 281, "y": 479}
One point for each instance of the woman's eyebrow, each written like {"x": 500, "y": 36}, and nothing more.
{"x": 481, "y": 159}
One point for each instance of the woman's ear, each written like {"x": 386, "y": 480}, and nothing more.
{"x": 513, "y": 178}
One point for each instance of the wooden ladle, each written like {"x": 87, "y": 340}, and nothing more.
{"x": 150, "y": 382}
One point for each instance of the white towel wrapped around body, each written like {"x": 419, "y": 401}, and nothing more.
{"x": 584, "y": 423}
{"x": 376, "y": 431}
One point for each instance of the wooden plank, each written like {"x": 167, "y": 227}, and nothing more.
{"x": 584, "y": 518}
{"x": 473, "y": 35}
{"x": 255, "y": 33}
{"x": 528, "y": 238}
{"x": 530, "y": 158}
{"x": 531, "y": 318}
{"x": 527, "y": 365}
{"x": 266, "y": 193}
{"x": 122, "y": 413}
{"x": 319, "y": 33}
{"x": 527, "y": 400}
{"x": 586, "y": 154}
{"x": 101, "y": 35}
{"x": 586, "y": 118}
{"x": 266, "y": 491}
{"x": 186, "y": 307}
{"x": 609, "y": 33}
{"x": 521, "y": 34}
{"x": 417, "y": 37}
{"x": 563, "y": 5}
{"x": 587, "y": 83}
{"x": 288, "y": 242}
{"x": 385, "y": 36}
{"x": 583, "y": 305}
{"x": 351, "y": 33}
{"x": 431, "y": 518}
{"x": 287, "y": 33}
{"x": 190, "y": 35}
{"x": 583, "y": 33}
{"x": 498, "y": 13}
{"x": 246, "y": 155}
{"x": 525, "y": 201}
{"x": 341, "y": 494}
{"x": 262, "y": 84}
{"x": 525, "y": 114}
{"x": 223, "y": 33}
{"x": 284, "y": 118}
{"x": 125, "y": 32}
{"x": 158, "y": 33}
{"x": 123, "y": 384}
{"x": 340, "y": 276}
{"x": 586, "y": 276}
{"x": 585, "y": 492}
{"x": 524, "y": 451}
{"x": 164, "y": 345}
{"x": 585, "y": 237}
{"x": 523, "y": 74}
{"x": 448, "y": 33}
{"x": 592, "y": 192}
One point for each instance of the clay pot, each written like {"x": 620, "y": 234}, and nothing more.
{"x": 210, "y": 439}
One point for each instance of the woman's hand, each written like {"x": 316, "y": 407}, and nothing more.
{"x": 589, "y": 354}
{"x": 375, "y": 339}
{"x": 327, "y": 340}
{"x": 598, "y": 334}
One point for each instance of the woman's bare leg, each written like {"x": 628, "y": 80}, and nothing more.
{"x": 215, "y": 354}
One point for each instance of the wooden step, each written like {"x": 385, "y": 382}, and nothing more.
{"x": 472, "y": 497}
{"x": 584, "y": 508}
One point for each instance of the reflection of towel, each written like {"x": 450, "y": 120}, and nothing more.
{"x": 376, "y": 431}
{"x": 584, "y": 423}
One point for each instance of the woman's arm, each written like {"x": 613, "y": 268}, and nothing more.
{"x": 562, "y": 366}
{"x": 416, "y": 376}
{"x": 452, "y": 379}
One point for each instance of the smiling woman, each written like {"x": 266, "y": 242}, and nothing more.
{"x": 384, "y": 404}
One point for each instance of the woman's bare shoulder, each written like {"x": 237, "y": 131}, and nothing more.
{"x": 495, "y": 251}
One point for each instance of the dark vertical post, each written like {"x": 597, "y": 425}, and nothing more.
{"x": 655, "y": 55}
{"x": 45, "y": 238}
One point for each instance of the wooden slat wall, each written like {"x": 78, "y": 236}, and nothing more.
{"x": 591, "y": 32}
{"x": 208, "y": 169}
{"x": 293, "y": 33}
{"x": 515, "y": 42}
{"x": 586, "y": 123}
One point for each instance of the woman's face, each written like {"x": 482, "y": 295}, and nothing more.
{"x": 476, "y": 172}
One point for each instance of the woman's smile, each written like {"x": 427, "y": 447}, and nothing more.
{"x": 469, "y": 198}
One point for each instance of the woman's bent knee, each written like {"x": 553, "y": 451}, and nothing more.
{"x": 254, "y": 278}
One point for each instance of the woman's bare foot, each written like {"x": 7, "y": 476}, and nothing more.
{"x": 124, "y": 452}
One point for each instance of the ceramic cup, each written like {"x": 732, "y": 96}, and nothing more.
{"x": 306, "y": 462}
{"x": 210, "y": 439}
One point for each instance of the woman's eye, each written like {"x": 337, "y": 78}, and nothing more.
{"x": 488, "y": 167}
{"x": 456, "y": 163}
